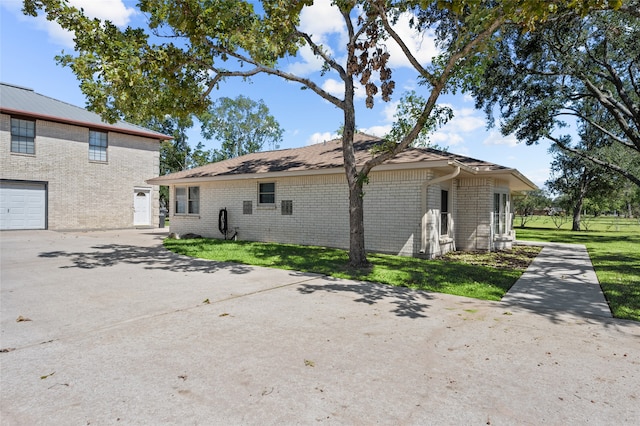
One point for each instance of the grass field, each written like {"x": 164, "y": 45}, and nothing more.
{"x": 614, "y": 247}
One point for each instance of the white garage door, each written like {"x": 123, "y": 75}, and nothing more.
{"x": 22, "y": 205}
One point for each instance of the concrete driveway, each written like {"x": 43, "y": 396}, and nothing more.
{"x": 116, "y": 330}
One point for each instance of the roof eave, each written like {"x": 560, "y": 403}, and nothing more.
{"x": 108, "y": 127}
{"x": 162, "y": 180}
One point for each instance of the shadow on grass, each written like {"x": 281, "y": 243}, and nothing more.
{"x": 108, "y": 255}
{"x": 431, "y": 275}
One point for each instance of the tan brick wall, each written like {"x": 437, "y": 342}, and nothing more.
{"x": 395, "y": 208}
{"x": 84, "y": 194}
{"x": 473, "y": 226}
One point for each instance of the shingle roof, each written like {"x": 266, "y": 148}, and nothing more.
{"x": 26, "y": 102}
{"x": 318, "y": 157}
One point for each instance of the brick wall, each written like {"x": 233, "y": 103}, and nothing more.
{"x": 473, "y": 226}
{"x": 84, "y": 194}
{"x": 395, "y": 208}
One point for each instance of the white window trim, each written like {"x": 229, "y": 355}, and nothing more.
{"x": 186, "y": 200}
{"x": 501, "y": 219}
{"x": 267, "y": 205}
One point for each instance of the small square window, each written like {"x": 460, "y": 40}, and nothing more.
{"x": 23, "y": 134}
{"x": 267, "y": 193}
{"x": 287, "y": 207}
{"x": 247, "y": 207}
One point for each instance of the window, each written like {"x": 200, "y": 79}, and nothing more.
{"x": 501, "y": 213}
{"x": 97, "y": 146}
{"x": 187, "y": 200}
{"x": 194, "y": 200}
{"x": 444, "y": 213}
{"x": 247, "y": 207}
{"x": 286, "y": 208}
{"x": 23, "y": 134}
{"x": 267, "y": 193}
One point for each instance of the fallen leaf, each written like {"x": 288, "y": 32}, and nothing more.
{"x": 48, "y": 375}
{"x": 223, "y": 314}
{"x": 7, "y": 350}
{"x": 21, "y": 319}
{"x": 206, "y": 301}
{"x": 309, "y": 363}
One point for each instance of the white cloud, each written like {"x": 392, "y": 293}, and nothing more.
{"x": 113, "y": 10}
{"x": 389, "y": 111}
{"x": 310, "y": 63}
{"x": 446, "y": 138}
{"x": 336, "y": 88}
{"x": 379, "y": 131}
{"x": 420, "y": 44}
{"x": 321, "y": 19}
{"x": 496, "y": 138}
{"x": 321, "y": 137}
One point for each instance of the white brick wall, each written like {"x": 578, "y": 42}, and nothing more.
{"x": 395, "y": 206}
{"x": 84, "y": 194}
{"x": 475, "y": 204}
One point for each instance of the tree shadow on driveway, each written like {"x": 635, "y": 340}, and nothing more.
{"x": 408, "y": 303}
{"x": 107, "y": 255}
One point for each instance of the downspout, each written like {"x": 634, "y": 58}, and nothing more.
{"x": 452, "y": 175}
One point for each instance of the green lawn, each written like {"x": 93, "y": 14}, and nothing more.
{"x": 483, "y": 275}
{"x": 614, "y": 247}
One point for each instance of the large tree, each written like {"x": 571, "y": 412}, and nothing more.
{"x": 241, "y": 125}
{"x": 577, "y": 179}
{"x": 195, "y": 45}
{"x": 572, "y": 70}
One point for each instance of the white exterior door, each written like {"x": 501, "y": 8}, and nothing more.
{"x": 23, "y": 205}
{"x": 142, "y": 207}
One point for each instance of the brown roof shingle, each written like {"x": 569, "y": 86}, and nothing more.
{"x": 320, "y": 156}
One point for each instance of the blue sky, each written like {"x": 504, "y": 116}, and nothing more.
{"x": 28, "y": 46}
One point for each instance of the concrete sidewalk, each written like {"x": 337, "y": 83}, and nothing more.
{"x": 561, "y": 279}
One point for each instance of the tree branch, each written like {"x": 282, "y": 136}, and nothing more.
{"x": 439, "y": 85}
{"x": 605, "y": 164}
{"x": 412, "y": 59}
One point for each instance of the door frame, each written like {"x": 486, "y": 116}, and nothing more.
{"x": 147, "y": 191}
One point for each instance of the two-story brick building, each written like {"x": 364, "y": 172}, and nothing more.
{"x": 424, "y": 202}
{"x": 63, "y": 168}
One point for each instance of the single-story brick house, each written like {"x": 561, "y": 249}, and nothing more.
{"x": 424, "y": 202}
{"x": 63, "y": 168}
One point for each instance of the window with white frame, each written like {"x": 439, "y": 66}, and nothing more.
{"x": 187, "y": 200}
{"x": 444, "y": 213}
{"x": 23, "y": 135}
{"x": 97, "y": 146}
{"x": 267, "y": 193}
{"x": 501, "y": 213}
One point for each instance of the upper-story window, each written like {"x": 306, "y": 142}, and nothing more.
{"x": 23, "y": 135}
{"x": 267, "y": 193}
{"x": 97, "y": 146}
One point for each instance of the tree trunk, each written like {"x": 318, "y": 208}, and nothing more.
{"x": 357, "y": 252}
{"x": 577, "y": 211}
